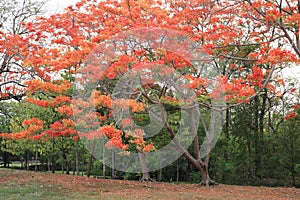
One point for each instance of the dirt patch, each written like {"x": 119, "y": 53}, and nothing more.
{"x": 78, "y": 187}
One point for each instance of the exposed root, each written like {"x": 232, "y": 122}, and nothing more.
{"x": 208, "y": 183}
{"x": 146, "y": 179}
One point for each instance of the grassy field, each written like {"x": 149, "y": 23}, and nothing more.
{"x": 18, "y": 184}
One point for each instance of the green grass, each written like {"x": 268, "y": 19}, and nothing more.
{"x": 14, "y": 192}
{"x": 27, "y": 192}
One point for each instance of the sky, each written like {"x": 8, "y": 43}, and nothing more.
{"x": 54, "y": 6}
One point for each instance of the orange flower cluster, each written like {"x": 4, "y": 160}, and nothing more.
{"x": 119, "y": 67}
{"x": 61, "y": 128}
{"x": 293, "y": 113}
{"x": 57, "y": 101}
{"x": 65, "y": 109}
{"x": 115, "y": 137}
{"x": 197, "y": 83}
{"x": 256, "y": 78}
{"x": 290, "y": 115}
{"x": 102, "y": 100}
{"x": 48, "y": 87}
{"x": 127, "y": 104}
{"x": 137, "y": 138}
{"x": 33, "y": 131}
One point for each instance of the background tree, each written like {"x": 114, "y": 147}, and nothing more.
{"x": 14, "y": 48}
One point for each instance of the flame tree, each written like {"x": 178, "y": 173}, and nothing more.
{"x": 245, "y": 42}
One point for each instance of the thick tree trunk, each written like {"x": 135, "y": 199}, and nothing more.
{"x": 205, "y": 177}
{"x": 145, "y": 172}
{"x": 146, "y": 177}
{"x": 195, "y": 159}
{"x": 202, "y": 167}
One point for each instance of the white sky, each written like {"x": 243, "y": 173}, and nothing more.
{"x": 54, "y": 6}
{"x": 293, "y": 72}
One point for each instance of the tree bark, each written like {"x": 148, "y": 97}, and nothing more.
{"x": 6, "y": 159}
{"x": 160, "y": 170}
{"x": 88, "y": 173}
{"x": 103, "y": 162}
{"x": 63, "y": 156}
{"x": 36, "y": 156}
{"x": 68, "y": 165}
{"x": 145, "y": 172}
{"x": 52, "y": 157}
{"x": 195, "y": 159}
{"x": 113, "y": 164}
{"x": 177, "y": 171}
{"x": 206, "y": 180}
{"x": 27, "y": 160}
{"x": 77, "y": 159}
{"x": 48, "y": 163}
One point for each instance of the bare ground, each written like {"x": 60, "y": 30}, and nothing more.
{"x": 17, "y": 184}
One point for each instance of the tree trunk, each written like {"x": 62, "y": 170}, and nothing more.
{"x": 195, "y": 159}
{"x": 77, "y": 159}
{"x": 52, "y": 157}
{"x": 36, "y": 156}
{"x": 113, "y": 164}
{"x": 146, "y": 177}
{"x": 27, "y": 160}
{"x": 205, "y": 177}
{"x": 160, "y": 171}
{"x": 177, "y": 171}
{"x": 63, "y": 156}
{"x": 22, "y": 162}
{"x": 257, "y": 145}
{"x": 6, "y": 159}
{"x": 48, "y": 163}
{"x": 202, "y": 167}
{"x": 88, "y": 173}
{"x": 145, "y": 172}
{"x": 68, "y": 165}
{"x": 103, "y": 161}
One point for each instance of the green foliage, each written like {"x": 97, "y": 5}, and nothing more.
{"x": 194, "y": 177}
{"x": 257, "y": 146}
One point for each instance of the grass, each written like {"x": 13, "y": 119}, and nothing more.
{"x": 20, "y": 185}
